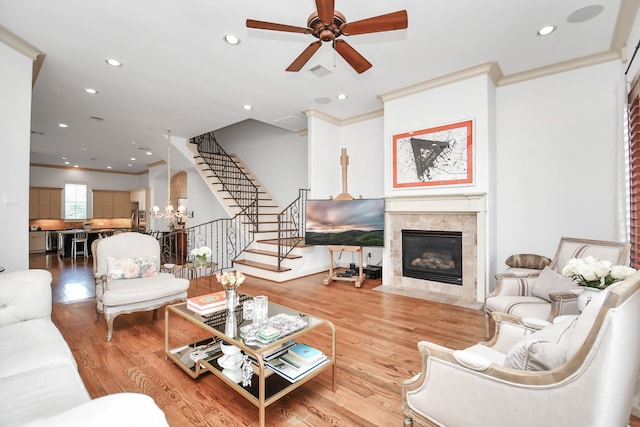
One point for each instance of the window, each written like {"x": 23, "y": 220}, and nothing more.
{"x": 75, "y": 201}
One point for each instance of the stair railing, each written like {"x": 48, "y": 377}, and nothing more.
{"x": 232, "y": 178}
{"x": 226, "y": 237}
{"x": 291, "y": 226}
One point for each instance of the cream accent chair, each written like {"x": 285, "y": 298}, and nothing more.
{"x": 116, "y": 297}
{"x": 515, "y": 291}
{"x": 596, "y": 357}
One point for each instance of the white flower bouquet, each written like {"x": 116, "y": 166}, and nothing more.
{"x": 594, "y": 273}
{"x": 230, "y": 279}
{"x": 202, "y": 251}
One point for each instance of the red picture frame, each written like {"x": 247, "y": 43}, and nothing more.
{"x": 437, "y": 156}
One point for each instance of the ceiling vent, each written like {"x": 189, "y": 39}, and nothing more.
{"x": 320, "y": 71}
{"x": 292, "y": 123}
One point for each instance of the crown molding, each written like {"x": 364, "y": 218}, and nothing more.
{"x": 20, "y": 45}
{"x": 343, "y": 122}
{"x": 560, "y": 67}
{"x": 42, "y": 165}
{"x": 491, "y": 69}
{"x": 624, "y": 24}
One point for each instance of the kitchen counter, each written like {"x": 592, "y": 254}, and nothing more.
{"x": 65, "y": 236}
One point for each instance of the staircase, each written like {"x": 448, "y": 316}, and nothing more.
{"x": 276, "y": 247}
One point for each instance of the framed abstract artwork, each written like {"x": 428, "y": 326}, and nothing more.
{"x": 438, "y": 156}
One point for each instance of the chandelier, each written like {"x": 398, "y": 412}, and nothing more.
{"x": 168, "y": 212}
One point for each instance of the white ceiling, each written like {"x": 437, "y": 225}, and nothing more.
{"x": 178, "y": 73}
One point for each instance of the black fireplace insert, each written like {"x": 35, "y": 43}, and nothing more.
{"x": 432, "y": 255}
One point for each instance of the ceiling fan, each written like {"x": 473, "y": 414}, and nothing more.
{"x": 327, "y": 24}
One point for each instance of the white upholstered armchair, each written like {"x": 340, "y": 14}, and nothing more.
{"x": 128, "y": 280}
{"x": 579, "y": 371}
{"x": 545, "y": 294}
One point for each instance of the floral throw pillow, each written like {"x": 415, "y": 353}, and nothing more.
{"x": 130, "y": 268}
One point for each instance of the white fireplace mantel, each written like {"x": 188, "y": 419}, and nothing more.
{"x": 463, "y": 203}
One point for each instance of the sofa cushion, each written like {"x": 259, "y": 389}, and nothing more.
{"x": 530, "y": 261}
{"x": 120, "y": 292}
{"x": 120, "y": 409}
{"x": 542, "y": 350}
{"x": 520, "y": 306}
{"x": 24, "y": 295}
{"x": 30, "y": 345}
{"x": 131, "y": 268}
{"x": 549, "y": 281}
{"x": 40, "y": 393}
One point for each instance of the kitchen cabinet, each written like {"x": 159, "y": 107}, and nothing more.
{"x": 111, "y": 204}
{"x": 37, "y": 242}
{"x": 45, "y": 203}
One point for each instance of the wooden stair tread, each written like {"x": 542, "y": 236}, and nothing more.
{"x": 271, "y": 253}
{"x": 261, "y": 265}
{"x": 288, "y": 242}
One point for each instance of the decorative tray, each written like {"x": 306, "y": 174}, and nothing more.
{"x": 285, "y": 323}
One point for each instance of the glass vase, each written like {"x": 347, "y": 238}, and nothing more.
{"x": 231, "y": 324}
{"x": 201, "y": 261}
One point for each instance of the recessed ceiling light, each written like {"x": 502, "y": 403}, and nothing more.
{"x": 67, "y": 163}
{"x": 247, "y": 107}
{"x": 545, "y": 31}
{"x": 149, "y": 153}
{"x": 133, "y": 159}
{"x": 63, "y": 125}
{"x": 232, "y": 39}
{"x": 342, "y": 96}
{"x": 76, "y": 166}
{"x": 108, "y": 167}
{"x": 113, "y": 62}
{"x": 129, "y": 165}
{"x": 64, "y": 158}
{"x": 91, "y": 91}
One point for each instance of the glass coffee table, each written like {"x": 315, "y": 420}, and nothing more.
{"x": 193, "y": 343}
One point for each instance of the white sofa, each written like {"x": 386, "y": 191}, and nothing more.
{"x": 39, "y": 380}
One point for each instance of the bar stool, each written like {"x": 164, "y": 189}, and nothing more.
{"x": 79, "y": 238}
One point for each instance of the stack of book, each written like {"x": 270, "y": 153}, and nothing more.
{"x": 297, "y": 361}
{"x": 207, "y": 304}
{"x": 268, "y": 333}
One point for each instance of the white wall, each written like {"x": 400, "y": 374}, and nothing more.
{"x": 324, "y": 169}
{"x": 559, "y": 152}
{"x": 456, "y": 102}
{"x": 277, "y": 157}
{"x": 15, "y": 122}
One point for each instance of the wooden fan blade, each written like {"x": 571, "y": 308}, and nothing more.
{"x": 261, "y": 25}
{"x": 391, "y": 21}
{"x": 305, "y": 56}
{"x": 325, "y": 10}
{"x": 357, "y": 61}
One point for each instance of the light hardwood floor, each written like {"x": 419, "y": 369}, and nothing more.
{"x": 377, "y": 335}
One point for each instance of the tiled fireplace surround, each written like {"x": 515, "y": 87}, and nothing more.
{"x": 460, "y": 212}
